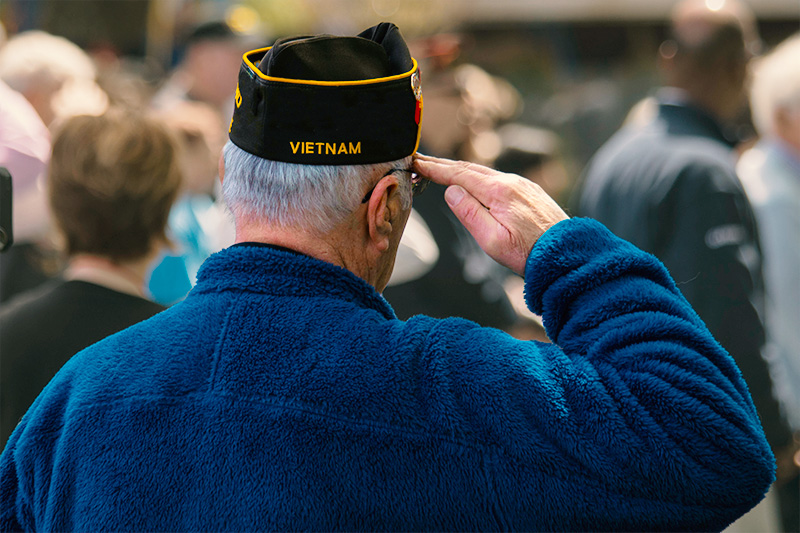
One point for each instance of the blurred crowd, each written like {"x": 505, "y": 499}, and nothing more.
{"x": 116, "y": 199}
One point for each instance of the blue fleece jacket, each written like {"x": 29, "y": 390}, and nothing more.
{"x": 283, "y": 394}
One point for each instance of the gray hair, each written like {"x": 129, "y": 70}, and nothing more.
{"x": 37, "y": 57}
{"x": 776, "y": 84}
{"x": 313, "y": 197}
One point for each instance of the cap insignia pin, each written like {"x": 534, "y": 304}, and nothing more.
{"x": 416, "y": 86}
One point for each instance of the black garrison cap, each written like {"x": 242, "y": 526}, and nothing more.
{"x": 330, "y": 100}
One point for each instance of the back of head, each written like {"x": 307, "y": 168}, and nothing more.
{"x": 706, "y": 39}
{"x": 316, "y": 119}
{"x": 215, "y": 30}
{"x": 693, "y": 21}
{"x": 54, "y": 75}
{"x": 239, "y": 36}
{"x": 213, "y": 51}
{"x": 39, "y": 58}
{"x": 707, "y": 52}
{"x": 112, "y": 181}
{"x": 775, "y": 90}
{"x": 197, "y": 128}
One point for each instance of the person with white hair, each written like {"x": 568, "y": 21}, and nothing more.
{"x": 770, "y": 173}
{"x": 54, "y": 74}
{"x": 43, "y": 78}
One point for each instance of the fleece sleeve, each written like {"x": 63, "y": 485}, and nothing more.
{"x": 711, "y": 248}
{"x": 9, "y": 496}
{"x": 634, "y": 418}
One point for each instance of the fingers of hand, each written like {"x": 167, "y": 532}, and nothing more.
{"x": 504, "y": 194}
{"x": 490, "y": 232}
{"x": 507, "y": 196}
{"x": 452, "y": 163}
{"x": 448, "y": 172}
{"x": 488, "y": 186}
{"x": 475, "y": 217}
{"x": 505, "y": 213}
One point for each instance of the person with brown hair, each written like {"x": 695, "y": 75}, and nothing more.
{"x": 44, "y": 78}
{"x": 111, "y": 184}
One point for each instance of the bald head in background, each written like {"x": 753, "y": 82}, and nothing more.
{"x": 716, "y": 13}
{"x": 706, "y": 55}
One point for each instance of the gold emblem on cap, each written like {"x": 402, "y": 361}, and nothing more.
{"x": 416, "y": 86}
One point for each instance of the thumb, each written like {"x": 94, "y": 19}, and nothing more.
{"x": 453, "y": 195}
{"x": 472, "y": 214}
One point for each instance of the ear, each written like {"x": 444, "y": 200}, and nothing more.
{"x": 221, "y": 166}
{"x": 382, "y": 210}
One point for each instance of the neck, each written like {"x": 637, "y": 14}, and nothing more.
{"x": 341, "y": 246}
{"x": 721, "y": 103}
{"x": 122, "y": 276}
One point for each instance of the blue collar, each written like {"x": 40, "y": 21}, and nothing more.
{"x": 683, "y": 118}
{"x": 270, "y": 269}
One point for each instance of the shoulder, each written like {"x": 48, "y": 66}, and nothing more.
{"x": 21, "y": 308}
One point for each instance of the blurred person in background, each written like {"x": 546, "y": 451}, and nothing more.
{"x": 207, "y": 71}
{"x": 463, "y": 101}
{"x": 199, "y": 224}
{"x": 534, "y": 154}
{"x": 197, "y": 100}
{"x": 112, "y": 181}
{"x": 770, "y": 172}
{"x": 55, "y": 75}
{"x": 43, "y": 78}
{"x": 24, "y": 151}
{"x": 670, "y": 186}
{"x": 284, "y": 394}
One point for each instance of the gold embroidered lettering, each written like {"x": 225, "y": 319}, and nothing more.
{"x": 324, "y": 148}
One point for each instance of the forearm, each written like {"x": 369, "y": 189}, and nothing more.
{"x": 635, "y": 392}
{"x": 616, "y": 313}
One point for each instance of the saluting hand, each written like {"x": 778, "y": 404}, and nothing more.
{"x": 505, "y": 213}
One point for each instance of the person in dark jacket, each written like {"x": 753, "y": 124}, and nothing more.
{"x": 111, "y": 183}
{"x": 284, "y": 394}
{"x": 669, "y": 186}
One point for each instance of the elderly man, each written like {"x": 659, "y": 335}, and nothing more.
{"x": 284, "y": 394}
